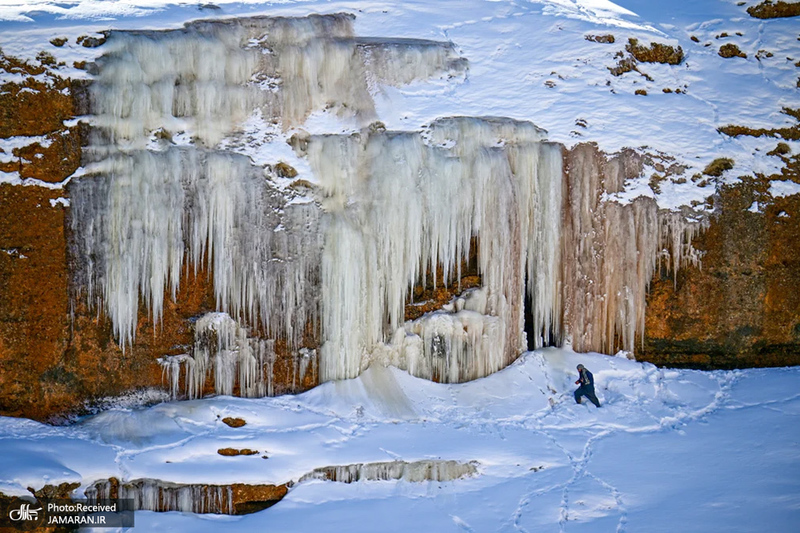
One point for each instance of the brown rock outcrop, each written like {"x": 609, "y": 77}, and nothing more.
{"x": 234, "y": 422}
{"x": 743, "y": 307}
{"x": 234, "y": 452}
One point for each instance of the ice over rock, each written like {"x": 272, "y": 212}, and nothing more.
{"x": 386, "y": 208}
{"x": 210, "y": 75}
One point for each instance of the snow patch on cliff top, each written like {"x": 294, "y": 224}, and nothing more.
{"x": 528, "y": 61}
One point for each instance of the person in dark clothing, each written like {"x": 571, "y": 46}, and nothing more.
{"x": 586, "y": 382}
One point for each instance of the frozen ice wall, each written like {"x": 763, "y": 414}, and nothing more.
{"x": 168, "y": 190}
{"x": 147, "y": 206}
{"x": 164, "y": 192}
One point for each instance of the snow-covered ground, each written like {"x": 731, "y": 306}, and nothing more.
{"x": 670, "y": 450}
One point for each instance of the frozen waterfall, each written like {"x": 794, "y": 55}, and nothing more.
{"x": 398, "y": 203}
{"x": 339, "y": 250}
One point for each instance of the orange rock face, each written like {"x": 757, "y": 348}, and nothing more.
{"x": 33, "y": 264}
{"x": 743, "y": 308}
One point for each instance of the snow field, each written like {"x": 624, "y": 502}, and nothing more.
{"x": 669, "y": 450}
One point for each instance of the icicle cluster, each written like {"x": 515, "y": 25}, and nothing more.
{"x": 136, "y": 224}
{"x": 225, "y": 351}
{"x": 142, "y": 213}
{"x": 161, "y": 496}
{"x": 678, "y": 230}
{"x": 415, "y": 472}
{"x": 398, "y": 204}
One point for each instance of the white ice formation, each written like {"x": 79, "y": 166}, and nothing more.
{"x": 397, "y": 204}
{"x": 157, "y": 495}
{"x": 385, "y": 210}
{"x": 225, "y": 351}
{"x": 414, "y": 472}
{"x": 209, "y": 76}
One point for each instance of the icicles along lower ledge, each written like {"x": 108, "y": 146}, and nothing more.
{"x": 240, "y": 498}
{"x": 321, "y": 268}
{"x": 237, "y": 363}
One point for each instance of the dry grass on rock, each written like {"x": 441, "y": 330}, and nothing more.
{"x": 605, "y": 39}
{"x": 655, "y": 53}
{"x": 718, "y": 166}
{"x": 731, "y": 50}
{"x": 769, "y": 10}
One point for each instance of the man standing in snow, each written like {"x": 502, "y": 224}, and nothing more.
{"x": 586, "y": 382}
